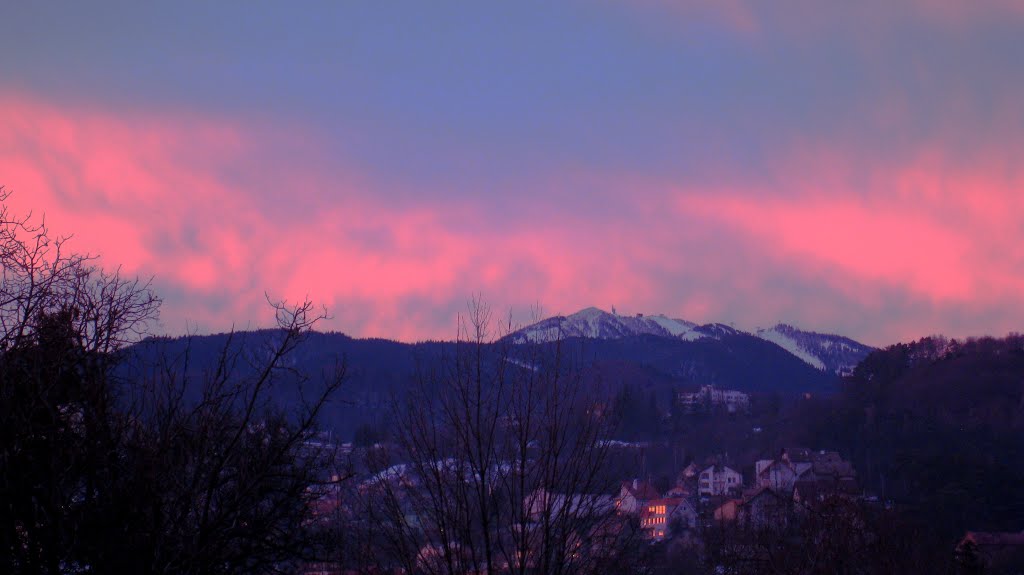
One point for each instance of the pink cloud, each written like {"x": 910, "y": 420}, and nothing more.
{"x": 872, "y": 243}
{"x": 836, "y": 240}
{"x": 940, "y": 234}
{"x": 156, "y": 194}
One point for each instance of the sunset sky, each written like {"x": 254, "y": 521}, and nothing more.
{"x": 850, "y": 167}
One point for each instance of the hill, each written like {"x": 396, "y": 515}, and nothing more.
{"x": 937, "y": 427}
{"x": 380, "y": 369}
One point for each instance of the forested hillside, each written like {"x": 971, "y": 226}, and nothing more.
{"x": 936, "y": 427}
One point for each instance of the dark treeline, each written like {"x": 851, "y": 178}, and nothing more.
{"x": 933, "y": 429}
{"x": 937, "y": 427}
{"x": 380, "y": 369}
{"x": 158, "y": 471}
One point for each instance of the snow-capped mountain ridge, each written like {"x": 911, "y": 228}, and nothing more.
{"x": 825, "y": 352}
{"x": 599, "y": 324}
{"x": 830, "y": 352}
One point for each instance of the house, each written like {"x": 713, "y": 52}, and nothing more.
{"x": 709, "y": 398}
{"x": 764, "y": 509}
{"x": 679, "y": 491}
{"x": 794, "y": 455}
{"x": 759, "y": 508}
{"x": 686, "y": 480}
{"x": 830, "y": 465}
{"x": 688, "y": 473}
{"x": 727, "y": 511}
{"x": 660, "y": 516}
{"x": 799, "y": 464}
{"x": 633, "y": 495}
{"x": 808, "y": 492}
{"x": 718, "y": 480}
{"x": 779, "y": 475}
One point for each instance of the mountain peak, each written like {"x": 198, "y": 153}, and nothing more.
{"x": 593, "y": 322}
{"x": 825, "y": 352}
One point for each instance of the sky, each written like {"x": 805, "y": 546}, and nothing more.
{"x": 847, "y": 167}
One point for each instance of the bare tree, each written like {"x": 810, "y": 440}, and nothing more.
{"x": 232, "y": 477}
{"x": 501, "y": 463}
{"x": 833, "y": 534}
{"x": 62, "y": 322}
{"x": 160, "y": 471}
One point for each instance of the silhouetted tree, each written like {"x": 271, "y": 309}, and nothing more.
{"x": 501, "y": 465}
{"x": 152, "y": 473}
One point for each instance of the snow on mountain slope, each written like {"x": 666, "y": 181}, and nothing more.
{"x": 717, "y": 330}
{"x": 829, "y": 352}
{"x": 832, "y": 353}
{"x": 595, "y": 323}
{"x": 599, "y": 324}
{"x": 676, "y": 327}
{"x": 789, "y": 344}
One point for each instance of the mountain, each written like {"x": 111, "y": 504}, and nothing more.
{"x": 728, "y": 360}
{"x": 656, "y": 355}
{"x": 825, "y": 352}
{"x": 834, "y": 353}
{"x": 377, "y": 370}
{"x": 595, "y": 323}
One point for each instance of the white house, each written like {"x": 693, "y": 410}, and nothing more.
{"x": 779, "y": 475}
{"x": 718, "y": 480}
{"x": 710, "y": 396}
{"x": 801, "y": 464}
{"x": 634, "y": 495}
{"x": 659, "y": 515}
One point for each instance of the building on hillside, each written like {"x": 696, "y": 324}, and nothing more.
{"x": 727, "y": 511}
{"x": 779, "y": 475}
{"x": 688, "y": 473}
{"x": 634, "y": 495}
{"x": 809, "y": 492}
{"x": 794, "y": 455}
{"x": 764, "y": 509}
{"x": 686, "y": 480}
{"x": 759, "y": 508}
{"x": 679, "y": 491}
{"x": 830, "y": 465}
{"x": 718, "y": 480}
{"x": 710, "y": 398}
{"x": 798, "y": 464}
{"x": 661, "y": 516}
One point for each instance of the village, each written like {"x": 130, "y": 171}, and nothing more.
{"x": 798, "y": 478}
{"x": 704, "y": 502}
{"x": 602, "y": 518}
{"x": 716, "y": 509}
